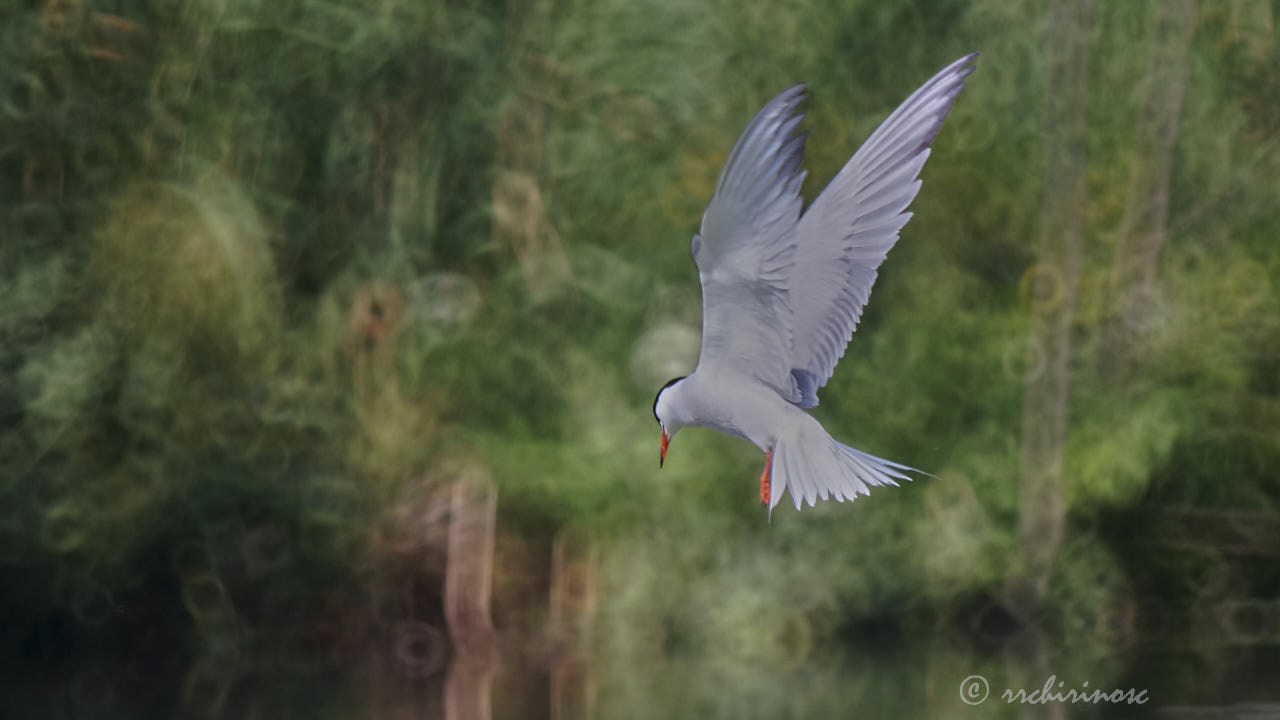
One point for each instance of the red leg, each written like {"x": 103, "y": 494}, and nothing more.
{"x": 766, "y": 478}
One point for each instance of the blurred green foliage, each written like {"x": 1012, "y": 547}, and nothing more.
{"x": 266, "y": 265}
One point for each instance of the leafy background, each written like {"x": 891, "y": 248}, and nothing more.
{"x": 272, "y": 272}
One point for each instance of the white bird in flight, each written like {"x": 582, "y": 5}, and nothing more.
{"x": 782, "y": 291}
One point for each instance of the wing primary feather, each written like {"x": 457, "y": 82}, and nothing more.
{"x": 745, "y": 248}
{"x": 847, "y": 231}
{"x": 893, "y": 175}
{"x": 947, "y": 82}
{"x": 757, "y": 131}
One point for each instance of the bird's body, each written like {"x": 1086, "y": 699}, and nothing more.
{"x": 782, "y": 292}
{"x": 733, "y": 404}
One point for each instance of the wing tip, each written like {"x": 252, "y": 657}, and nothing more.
{"x": 967, "y": 61}
{"x": 772, "y": 131}
{"x": 949, "y": 81}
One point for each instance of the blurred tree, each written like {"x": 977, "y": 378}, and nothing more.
{"x": 1143, "y": 229}
{"x": 1053, "y": 286}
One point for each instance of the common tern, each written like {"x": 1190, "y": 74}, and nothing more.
{"x": 782, "y": 291}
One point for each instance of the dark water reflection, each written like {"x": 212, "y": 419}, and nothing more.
{"x": 434, "y": 647}
{"x": 469, "y": 624}
{"x": 884, "y": 679}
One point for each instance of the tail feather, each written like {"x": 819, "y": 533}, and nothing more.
{"x": 812, "y": 466}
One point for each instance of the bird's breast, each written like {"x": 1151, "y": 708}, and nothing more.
{"x": 742, "y": 407}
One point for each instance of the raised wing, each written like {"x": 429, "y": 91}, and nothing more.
{"x": 847, "y": 231}
{"x": 745, "y": 247}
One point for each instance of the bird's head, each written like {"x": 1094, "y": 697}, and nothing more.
{"x": 664, "y": 412}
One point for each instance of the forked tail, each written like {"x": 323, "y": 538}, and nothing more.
{"x": 810, "y": 463}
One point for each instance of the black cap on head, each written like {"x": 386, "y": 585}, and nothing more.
{"x": 670, "y": 382}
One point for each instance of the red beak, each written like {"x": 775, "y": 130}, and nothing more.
{"x": 665, "y": 441}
